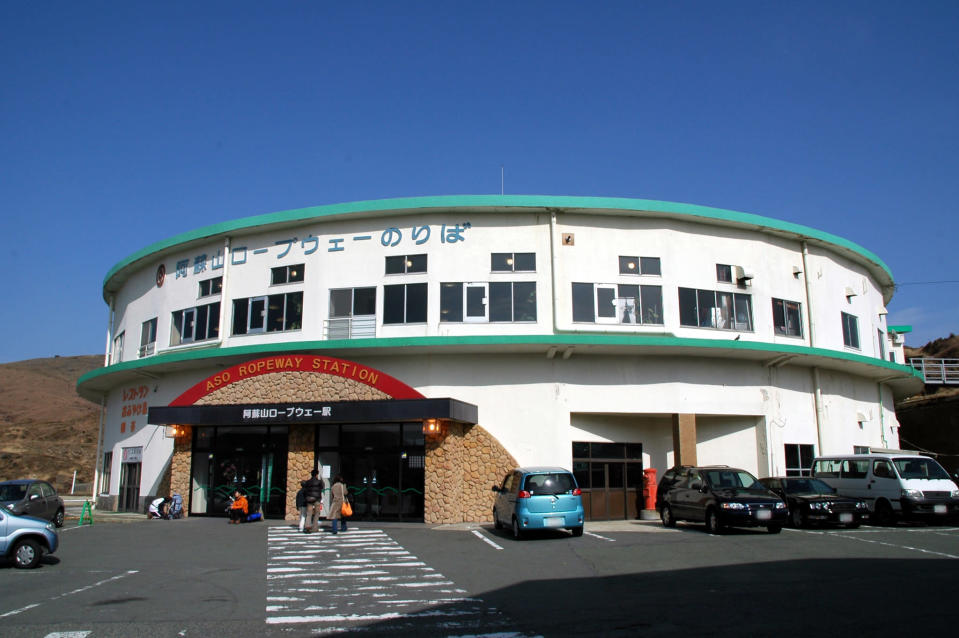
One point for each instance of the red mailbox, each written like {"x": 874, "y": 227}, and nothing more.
{"x": 649, "y": 488}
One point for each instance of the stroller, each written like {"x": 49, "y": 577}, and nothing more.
{"x": 176, "y": 507}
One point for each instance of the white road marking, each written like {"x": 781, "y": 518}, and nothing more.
{"x": 70, "y": 593}
{"x": 611, "y": 540}
{"x": 482, "y": 536}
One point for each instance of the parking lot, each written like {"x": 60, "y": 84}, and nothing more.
{"x": 204, "y": 577}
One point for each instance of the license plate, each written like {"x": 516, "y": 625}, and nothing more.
{"x": 940, "y": 509}
{"x": 845, "y": 518}
{"x": 553, "y": 521}
{"x": 763, "y": 515}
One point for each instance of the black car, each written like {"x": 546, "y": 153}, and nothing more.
{"x": 721, "y": 497}
{"x": 32, "y": 497}
{"x": 811, "y": 501}
{"x": 670, "y": 477}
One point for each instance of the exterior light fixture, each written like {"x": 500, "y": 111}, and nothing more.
{"x": 631, "y": 265}
{"x": 431, "y": 426}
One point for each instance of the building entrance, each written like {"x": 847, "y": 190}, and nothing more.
{"x": 249, "y": 459}
{"x": 611, "y": 477}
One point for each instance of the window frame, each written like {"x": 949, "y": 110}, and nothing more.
{"x": 708, "y": 319}
{"x": 148, "y": 337}
{"x": 389, "y": 313}
{"x": 799, "y": 451}
{"x": 510, "y": 262}
{"x": 287, "y": 272}
{"x": 850, "y": 331}
{"x": 409, "y": 263}
{"x": 783, "y": 330}
{"x": 646, "y": 266}
{"x": 214, "y": 286}
{"x": 289, "y": 323}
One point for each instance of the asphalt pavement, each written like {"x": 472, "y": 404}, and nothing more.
{"x": 201, "y": 576}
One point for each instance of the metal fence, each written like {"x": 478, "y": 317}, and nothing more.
{"x": 938, "y": 371}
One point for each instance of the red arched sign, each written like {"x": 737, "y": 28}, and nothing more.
{"x": 299, "y": 363}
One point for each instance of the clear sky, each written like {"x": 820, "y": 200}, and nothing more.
{"x": 125, "y": 123}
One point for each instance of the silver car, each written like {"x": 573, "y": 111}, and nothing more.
{"x": 26, "y": 539}
{"x": 32, "y": 497}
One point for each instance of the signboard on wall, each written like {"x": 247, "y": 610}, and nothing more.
{"x": 132, "y": 454}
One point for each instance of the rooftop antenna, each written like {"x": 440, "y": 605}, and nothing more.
{"x": 501, "y": 191}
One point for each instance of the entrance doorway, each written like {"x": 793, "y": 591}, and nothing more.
{"x": 129, "y": 487}
{"x": 383, "y": 465}
{"x": 251, "y": 460}
{"x": 611, "y": 478}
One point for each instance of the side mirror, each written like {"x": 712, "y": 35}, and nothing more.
{"x": 696, "y": 485}
{"x": 34, "y": 497}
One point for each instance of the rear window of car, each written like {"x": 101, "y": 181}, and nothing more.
{"x": 549, "y": 483}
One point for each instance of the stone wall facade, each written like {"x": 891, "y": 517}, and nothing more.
{"x": 299, "y": 463}
{"x": 280, "y": 387}
{"x": 180, "y": 465}
{"x": 463, "y": 462}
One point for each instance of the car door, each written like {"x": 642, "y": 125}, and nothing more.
{"x": 506, "y": 498}
{"x": 35, "y": 505}
{"x": 698, "y": 496}
{"x": 49, "y": 501}
{"x": 884, "y": 483}
{"x": 682, "y": 495}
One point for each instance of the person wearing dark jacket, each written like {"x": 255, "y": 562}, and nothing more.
{"x": 313, "y": 494}
{"x": 301, "y": 507}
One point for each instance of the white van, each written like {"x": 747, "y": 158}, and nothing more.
{"x": 894, "y": 483}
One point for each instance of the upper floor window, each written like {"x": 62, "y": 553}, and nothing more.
{"x": 117, "y": 355}
{"x": 617, "y": 303}
{"x": 211, "y": 286}
{"x": 352, "y": 313}
{"x": 148, "y": 337}
{"x": 714, "y": 309}
{"x": 724, "y": 273}
{"x": 799, "y": 458}
{"x": 404, "y": 303}
{"x": 882, "y": 343}
{"x": 195, "y": 324}
{"x": 850, "y": 330}
{"x": 488, "y": 301}
{"x": 640, "y": 266}
{"x": 269, "y": 313}
{"x": 400, "y": 264}
{"x": 787, "y": 318}
{"x": 287, "y": 274}
{"x": 513, "y": 262}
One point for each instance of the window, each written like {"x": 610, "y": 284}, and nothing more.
{"x": 883, "y": 469}
{"x": 850, "y": 331}
{"x": 211, "y": 286}
{"x": 352, "y": 313}
{"x": 640, "y": 266}
{"x": 399, "y": 264}
{"x": 286, "y": 274}
{"x": 116, "y": 356}
{"x": 105, "y": 472}
{"x": 488, "y": 301}
{"x": 787, "y": 318}
{"x": 617, "y": 303}
{"x": 882, "y": 344}
{"x": 724, "y": 273}
{"x": 195, "y": 324}
{"x": 799, "y": 459}
{"x": 404, "y": 303}
{"x": 713, "y": 309}
{"x": 148, "y": 337}
{"x": 270, "y": 313}
{"x": 513, "y": 262}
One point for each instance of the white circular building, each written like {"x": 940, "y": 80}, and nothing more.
{"x": 421, "y": 347}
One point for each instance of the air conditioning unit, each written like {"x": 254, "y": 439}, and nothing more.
{"x": 898, "y": 339}
{"x": 741, "y": 274}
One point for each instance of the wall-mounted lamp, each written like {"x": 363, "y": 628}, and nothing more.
{"x": 431, "y": 426}
{"x": 173, "y": 431}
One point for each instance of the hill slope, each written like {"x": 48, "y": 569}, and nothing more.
{"x": 46, "y": 430}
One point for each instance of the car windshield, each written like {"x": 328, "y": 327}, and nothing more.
{"x": 552, "y": 483}
{"x": 920, "y": 468}
{"x": 12, "y": 492}
{"x": 733, "y": 479}
{"x": 807, "y": 486}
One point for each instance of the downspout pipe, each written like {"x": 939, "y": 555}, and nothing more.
{"x": 99, "y": 458}
{"x": 811, "y": 325}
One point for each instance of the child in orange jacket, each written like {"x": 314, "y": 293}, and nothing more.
{"x": 239, "y": 508}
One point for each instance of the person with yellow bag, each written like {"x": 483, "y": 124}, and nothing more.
{"x": 340, "y": 508}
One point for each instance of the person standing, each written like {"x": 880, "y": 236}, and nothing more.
{"x": 313, "y": 495}
{"x": 301, "y": 507}
{"x": 339, "y": 494}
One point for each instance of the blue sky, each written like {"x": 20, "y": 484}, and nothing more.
{"x": 125, "y": 123}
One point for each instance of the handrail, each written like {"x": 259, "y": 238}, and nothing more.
{"x": 937, "y": 371}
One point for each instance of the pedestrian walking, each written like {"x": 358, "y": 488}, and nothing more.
{"x": 313, "y": 494}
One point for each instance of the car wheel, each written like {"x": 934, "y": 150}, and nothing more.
{"x": 577, "y": 531}
{"x": 796, "y": 517}
{"x": 667, "y": 515}
{"x": 496, "y": 523}
{"x": 712, "y": 522}
{"x": 883, "y": 514}
{"x": 26, "y": 554}
{"x": 58, "y": 519}
{"x": 517, "y": 532}
{"x": 774, "y": 529}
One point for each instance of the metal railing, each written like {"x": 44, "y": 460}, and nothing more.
{"x": 359, "y": 327}
{"x": 940, "y": 371}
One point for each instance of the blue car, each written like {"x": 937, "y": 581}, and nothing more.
{"x": 538, "y": 498}
{"x": 25, "y": 539}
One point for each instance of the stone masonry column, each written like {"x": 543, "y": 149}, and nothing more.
{"x": 180, "y": 465}
{"x": 299, "y": 463}
{"x": 684, "y": 439}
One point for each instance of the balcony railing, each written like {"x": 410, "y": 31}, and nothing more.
{"x": 359, "y": 327}
{"x": 937, "y": 371}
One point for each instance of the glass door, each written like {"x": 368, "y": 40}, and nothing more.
{"x": 129, "y": 487}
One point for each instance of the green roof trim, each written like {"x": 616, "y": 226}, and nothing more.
{"x": 396, "y": 205}
{"x": 200, "y": 355}
{"x": 900, "y": 329}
